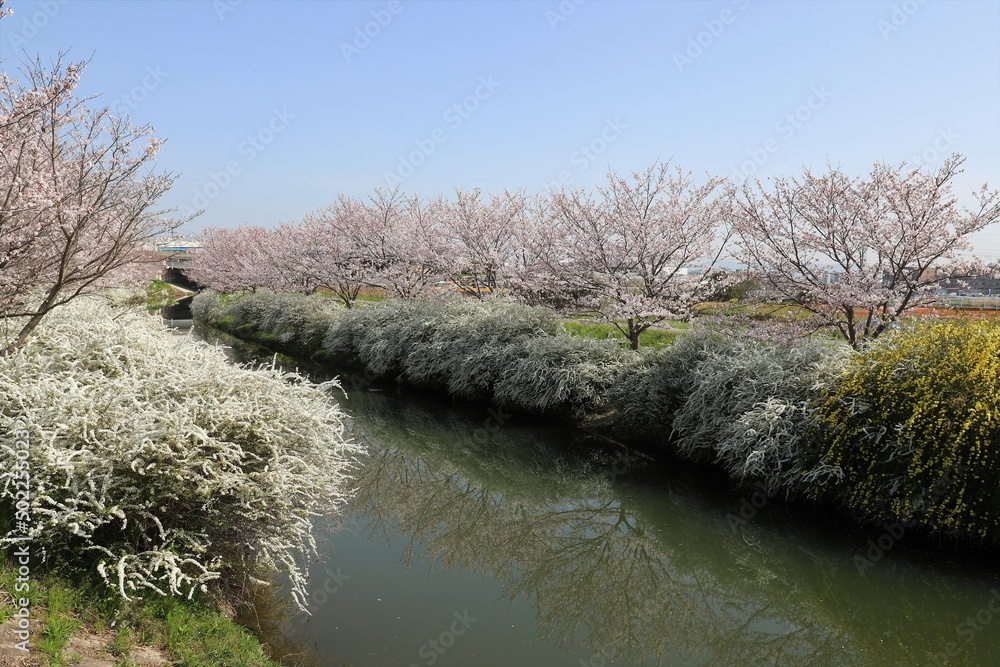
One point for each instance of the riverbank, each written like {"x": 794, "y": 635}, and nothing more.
{"x": 553, "y": 539}
{"x": 149, "y": 479}
{"x": 73, "y": 620}
{"x": 770, "y": 415}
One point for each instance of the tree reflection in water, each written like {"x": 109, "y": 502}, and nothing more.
{"x": 647, "y": 574}
{"x": 643, "y": 569}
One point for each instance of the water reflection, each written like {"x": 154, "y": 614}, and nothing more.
{"x": 178, "y": 314}
{"x": 645, "y": 573}
{"x": 618, "y": 558}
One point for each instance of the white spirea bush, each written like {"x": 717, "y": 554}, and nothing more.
{"x": 749, "y": 406}
{"x": 656, "y": 383}
{"x": 162, "y": 464}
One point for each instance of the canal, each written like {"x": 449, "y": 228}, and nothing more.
{"x": 477, "y": 538}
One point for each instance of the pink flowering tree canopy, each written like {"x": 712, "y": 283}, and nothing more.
{"x": 482, "y": 233}
{"x": 859, "y": 252}
{"x": 624, "y": 251}
{"x": 77, "y": 190}
{"x": 241, "y": 259}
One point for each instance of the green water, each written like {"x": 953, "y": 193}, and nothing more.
{"x": 476, "y": 538}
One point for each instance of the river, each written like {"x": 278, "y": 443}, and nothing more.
{"x": 477, "y": 538}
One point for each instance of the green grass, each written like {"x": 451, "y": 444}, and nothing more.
{"x": 756, "y": 310}
{"x": 160, "y": 294}
{"x": 650, "y": 338}
{"x": 191, "y": 633}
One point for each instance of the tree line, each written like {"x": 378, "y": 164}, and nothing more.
{"x": 79, "y": 189}
{"x": 854, "y": 252}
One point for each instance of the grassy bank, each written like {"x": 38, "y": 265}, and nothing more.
{"x": 67, "y": 606}
{"x": 805, "y": 420}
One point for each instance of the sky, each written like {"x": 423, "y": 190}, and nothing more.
{"x": 271, "y": 109}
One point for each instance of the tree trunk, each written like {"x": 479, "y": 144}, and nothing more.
{"x": 23, "y": 335}
{"x": 633, "y": 334}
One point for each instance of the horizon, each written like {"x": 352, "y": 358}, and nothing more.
{"x": 271, "y": 110}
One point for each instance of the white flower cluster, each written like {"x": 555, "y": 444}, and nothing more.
{"x": 164, "y": 461}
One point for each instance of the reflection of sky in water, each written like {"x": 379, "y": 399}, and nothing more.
{"x": 566, "y": 555}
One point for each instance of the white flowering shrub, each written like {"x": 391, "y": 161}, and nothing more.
{"x": 519, "y": 356}
{"x": 299, "y": 322}
{"x": 750, "y": 407}
{"x": 656, "y": 383}
{"x": 556, "y": 371}
{"x": 471, "y": 344}
{"x": 380, "y": 336}
{"x": 208, "y": 306}
{"x": 161, "y": 464}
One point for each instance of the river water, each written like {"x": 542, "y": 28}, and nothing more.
{"x": 477, "y": 538}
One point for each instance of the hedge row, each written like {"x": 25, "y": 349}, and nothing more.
{"x": 907, "y": 430}
{"x": 516, "y": 356}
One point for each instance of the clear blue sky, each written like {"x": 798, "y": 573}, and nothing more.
{"x": 714, "y": 85}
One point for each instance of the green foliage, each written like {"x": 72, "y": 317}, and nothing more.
{"x": 158, "y": 295}
{"x": 913, "y": 430}
{"x": 190, "y": 632}
{"x": 58, "y": 630}
{"x": 648, "y": 339}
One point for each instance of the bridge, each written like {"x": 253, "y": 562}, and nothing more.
{"x": 178, "y": 254}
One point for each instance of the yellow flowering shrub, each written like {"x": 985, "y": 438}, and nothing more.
{"x": 911, "y": 431}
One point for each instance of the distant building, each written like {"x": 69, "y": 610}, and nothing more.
{"x": 972, "y": 286}
{"x": 178, "y": 253}
{"x": 177, "y": 245}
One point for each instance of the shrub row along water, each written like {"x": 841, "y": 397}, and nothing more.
{"x": 156, "y": 463}
{"x": 907, "y": 430}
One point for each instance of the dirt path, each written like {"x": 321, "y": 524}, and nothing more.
{"x": 84, "y": 649}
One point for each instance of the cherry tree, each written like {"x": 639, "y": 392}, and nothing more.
{"x": 329, "y": 252}
{"x": 78, "y": 191}
{"x": 483, "y": 236}
{"x": 241, "y": 259}
{"x": 859, "y": 252}
{"x": 400, "y": 238}
{"x": 624, "y": 250}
